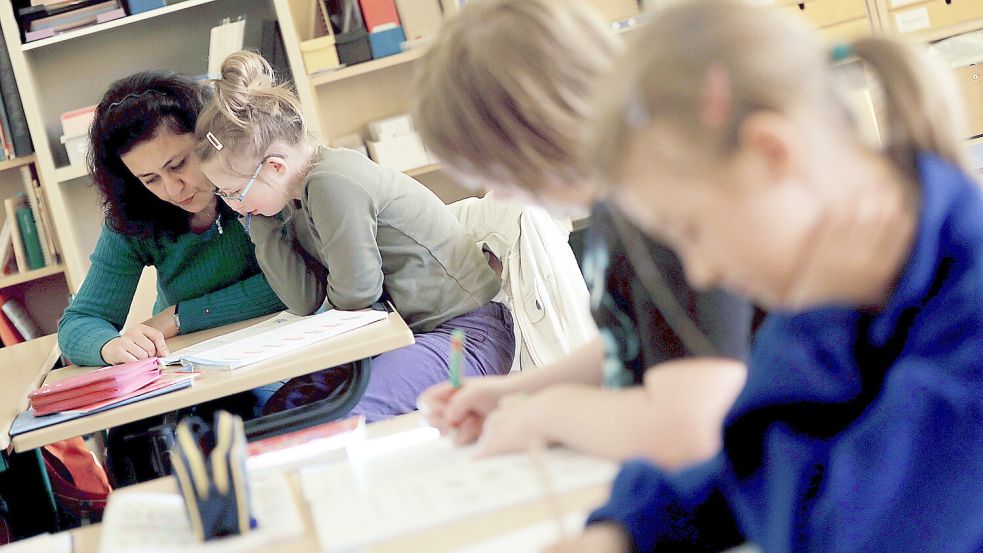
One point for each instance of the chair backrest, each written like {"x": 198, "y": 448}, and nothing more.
{"x": 541, "y": 280}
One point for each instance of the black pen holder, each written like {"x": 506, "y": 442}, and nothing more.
{"x": 210, "y": 465}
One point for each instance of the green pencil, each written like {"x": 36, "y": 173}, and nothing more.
{"x": 456, "y": 357}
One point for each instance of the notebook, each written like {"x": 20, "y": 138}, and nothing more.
{"x": 428, "y": 482}
{"x": 158, "y": 522}
{"x": 279, "y": 335}
{"x": 29, "y": 420}
{"x": 96, "y": 386}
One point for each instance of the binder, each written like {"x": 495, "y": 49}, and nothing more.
{"x": 20, "y": 135}
{"x": 378, "y": 12}
{"x": 224, "y": 39}
{"x": 94, "y": 386}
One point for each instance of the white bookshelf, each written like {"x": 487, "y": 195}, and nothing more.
{"x": 115, "y": 23}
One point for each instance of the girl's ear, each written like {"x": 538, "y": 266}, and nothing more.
{"x": 278, "y": 164}
{"x": 772, "y": 140}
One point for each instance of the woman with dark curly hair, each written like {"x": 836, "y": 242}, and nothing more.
{"x": 160, "y": 211}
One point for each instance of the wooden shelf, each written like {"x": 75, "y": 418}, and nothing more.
{"x": 69, "y": 172}
{"x": 126, "y": 20}
{"x": 16, "y": 162}
{"x": 367, "y": 67}
{"x": 425, "y": 170}
{"x": 20, "y": 278}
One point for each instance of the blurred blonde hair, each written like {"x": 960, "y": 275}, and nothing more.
{"x": 247, "y": 113}
{"x": 772, "y": 63}
{"x": 507, "y": 89}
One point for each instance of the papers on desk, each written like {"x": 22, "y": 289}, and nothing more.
{"x": 320, "y": 443}
{"x": 278, "y": 335}
{"x": 375, "y": 498}
{"x": 531, "y": 539}
{"x": 158, "y": 522}
{"x": 166, "y": 383}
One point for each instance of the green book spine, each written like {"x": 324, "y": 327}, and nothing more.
{"x": 29, "y": 232}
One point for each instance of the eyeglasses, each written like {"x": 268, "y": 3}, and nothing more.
{"x": 241, "y": 195}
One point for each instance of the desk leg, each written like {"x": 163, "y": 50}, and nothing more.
{"x": 26, "y": 490}
{"x": 315, "y": 413}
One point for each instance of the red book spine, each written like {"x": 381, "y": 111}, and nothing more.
{"x": 8, "y": 332}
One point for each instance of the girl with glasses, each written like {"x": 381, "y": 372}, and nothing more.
{"x": 333, "y": 228}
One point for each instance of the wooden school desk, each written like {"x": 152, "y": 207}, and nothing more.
{"x": 434, "y": 540}
{"x": 362, "y": 343}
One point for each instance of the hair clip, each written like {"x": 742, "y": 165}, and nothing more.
{"x": 134, "y": 95}
{"x": 214, "y": 141}
{"x": 841, "y": 52}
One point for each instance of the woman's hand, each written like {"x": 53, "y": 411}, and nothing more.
{"x": 164, "y": 322}
{"x": 138, "y": 342}
{"x": 462, "y": 411}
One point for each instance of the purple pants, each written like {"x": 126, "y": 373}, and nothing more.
{"x": 399, "y": 376}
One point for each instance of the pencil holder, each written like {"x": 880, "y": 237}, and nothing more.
{"x": 210, "y": 465}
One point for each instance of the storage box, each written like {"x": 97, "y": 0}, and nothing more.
{"x": 139, "y": 6}
{"x": 319, "y": 54}
{"x": 378, "y": 12}
{"x": 971, "y": 83}
{"x": 352, "y": 142}
{"x": 402, "y": 153}
{"x": 934, "y": 14}
{"x": 825, "y": 13}
{"x": 77, "y": 148}
{"x": 390, "y": 127}
{"x": 353, "y": 47}
{"x": 386, "y": 42}
{"x": 419, "y": 18}
{"x": 78, "y": 121}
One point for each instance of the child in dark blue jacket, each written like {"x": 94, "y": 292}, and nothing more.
{"x": 861, "y": 424}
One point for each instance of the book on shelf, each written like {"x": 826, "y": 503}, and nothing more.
{"x": 9, "y": 334}
{"x": 29, "y": 233}
{"x": 224, "y": 39}
{"x": 278, "y": 335}
{"x": 20, "y": 134}
{"x": 10, "y": 206}
{"x": 6, "y": 144}
{"x": 33, "y": 193}
{"x": 21, "y": 320}
{"x": 50, "y": 21}
{"x": 44, "y": 222}
{"x": 7, "y": 250}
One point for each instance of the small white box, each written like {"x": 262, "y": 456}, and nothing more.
{"x": 390, "y": 127}
{"x": 401, "y": 153}
{"x": 352, "y": 142}
{"x": 77, "y": 122}
{"x": 77, "y": 148}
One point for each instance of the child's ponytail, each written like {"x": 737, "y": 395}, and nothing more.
{"x": 248, "y": 111}
{"x": 919, "y": 108}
